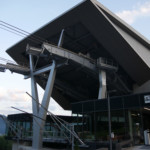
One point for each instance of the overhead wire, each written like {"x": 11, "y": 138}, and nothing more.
{"x": 45, "y": 108}
{"x": 23, "y": 34}
{"x": 15, "y": 30}
{"x": 58, "y": 119}
{"x": 22, "y": 30}
{"x": 11, "y": 32}
{"x": 6, "y": 60}
{"x": 54, "y": 118}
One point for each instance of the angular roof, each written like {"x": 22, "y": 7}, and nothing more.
{"x": 90, "y": 28}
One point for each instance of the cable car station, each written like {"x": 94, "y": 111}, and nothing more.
{"x": 94, "y": 64}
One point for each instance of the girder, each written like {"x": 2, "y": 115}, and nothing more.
{"x": 60, "y": 52}
{"x": 15, "y": 68}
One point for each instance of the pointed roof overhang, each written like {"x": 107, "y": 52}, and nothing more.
{"x": 130, "y": 49}
{"x": 108, "y": 29}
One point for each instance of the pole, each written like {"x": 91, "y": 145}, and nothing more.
{"x": 72, "y": 137}
{"x": 109, "y": 122}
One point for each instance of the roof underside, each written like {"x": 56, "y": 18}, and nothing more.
{"x": 90, "y": 29}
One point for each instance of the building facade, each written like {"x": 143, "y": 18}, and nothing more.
{"x": 90, "y": 52}
{"x": 130, "y": 116}
{"x": 2, "y": 126}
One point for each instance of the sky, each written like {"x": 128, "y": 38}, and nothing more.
{"x": 30, "y": 16}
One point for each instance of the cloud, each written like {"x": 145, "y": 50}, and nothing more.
{"x": 12, "y": 95}
{"x": 19, "y": 99}
{"x": 139, "y": 11}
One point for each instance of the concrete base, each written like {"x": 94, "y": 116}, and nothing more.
{"x": 23, "y": 147}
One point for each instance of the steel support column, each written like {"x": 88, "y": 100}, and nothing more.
{"x": 34, "y": 91}
{"x": 61, "y": 38}
{"x": 48, "y": 92}
{"x": 102, "y": 85}
{"x": 109, "y": 122}
{"x": 38, "y": 124}
{"x": 35, "y": 107}
{"x": 130, "y": 124}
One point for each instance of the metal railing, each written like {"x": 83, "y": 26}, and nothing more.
{"x": 107, "y": 63}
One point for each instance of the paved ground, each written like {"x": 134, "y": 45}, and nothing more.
{"x": 142, "y": 147}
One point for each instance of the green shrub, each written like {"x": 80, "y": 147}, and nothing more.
{"x": 5, "y": 144}
{"x": 76, "y": 147}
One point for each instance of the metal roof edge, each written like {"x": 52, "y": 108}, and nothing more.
{"x": 123, "y": 24}
{"x": 34, "y": 32}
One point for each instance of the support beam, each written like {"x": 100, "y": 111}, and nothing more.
{"x": 102, "y": 85}
{"x": 34, "y": 91}
{"x": 80, "y": 59}
{"x": 38, "y": 124}
{"x": 60, "y": 42}
{"x": 48, "y": 91}
{"x": 39, "y": 71}
{"x": 14, "y": 68}
{"x": 35, "y": 106}
{"x": 38, "y": 134}
{"x": 45, "y": 69}
{"x": 63, "y": 53}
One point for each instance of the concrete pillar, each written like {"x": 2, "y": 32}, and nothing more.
{"x": 102, "y": 85}
{"x": 130, "y": 124}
